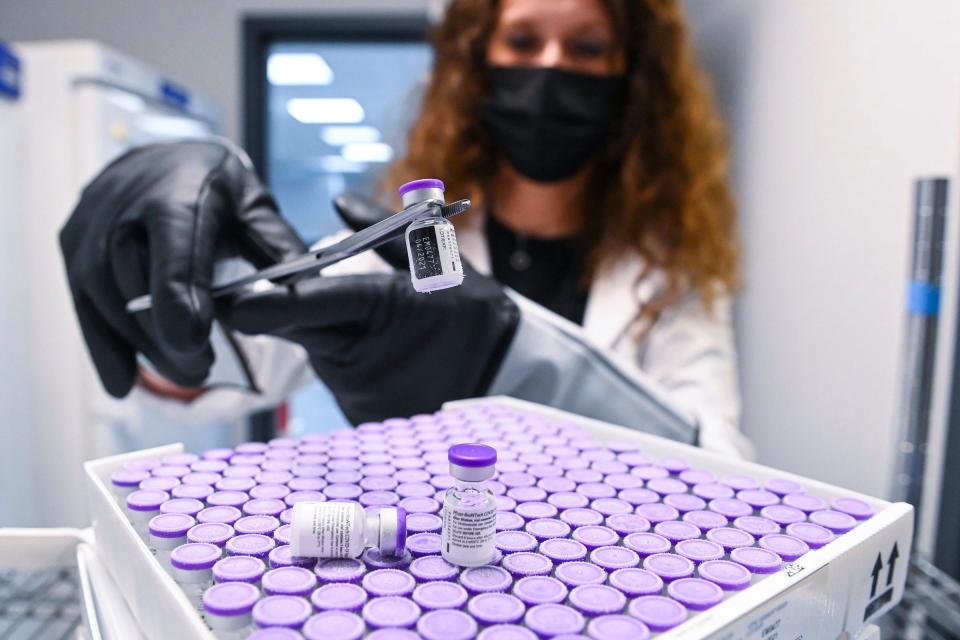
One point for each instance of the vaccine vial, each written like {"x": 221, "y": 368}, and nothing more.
{"x": 431, "y": 242}
{"x": 469, "y": 508}
{"x": 229, "y": 608}
{"x": 344, "y": 529}
{"x": 192, "y": 565}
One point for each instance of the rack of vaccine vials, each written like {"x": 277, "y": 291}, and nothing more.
{"x": 602, "y": 532}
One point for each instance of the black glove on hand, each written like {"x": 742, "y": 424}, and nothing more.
{"x": 153, "y": 222}
{"x": 382, "y": 348}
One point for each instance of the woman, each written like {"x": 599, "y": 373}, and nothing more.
{"x": 583, "y": 132}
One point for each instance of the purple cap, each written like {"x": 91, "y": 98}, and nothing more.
{"x": 813, "y": 534}
{"x": 195, "y": 556}
{"x": 695, "y": 594}
{"x": 235, "y": 484}
{"x": 189, "y": 506}
{"x": 783, "y": 487}
{"x": 597, "y": 600}
{"x": 756, "y": 526}
{"x": 638, "y": 496}
{"x": 514, "y": 541}
{"x": 282, "y": 611}
{"x": 697, "y": 476}
{"x": 534, "y": 590}
{"x": 549, "y": 620}
{"x": 617, "y": 627}
{"x": 646, "y": 543}
{"x": 146, "y": 500}
{"x": 250, "y": 544}
{"x": 509, "y": 521}
{"x": 658, "y": 512}
{"x": 727, "y": 575}
{"x": 224, "y": 514}
{"x": 241, "y": 471}
{"x": 447, "y": 624}
{"x": 612, "y": 558}
{"x": 534, "y": 510}
{"x": 712, "y": 491}
{"x": 379, "y": 499}
{"x": 227, "y": 499}
{"x": 211, "y": 532}
{"x": 634, "y": 582}
{"x": 283, "y": 533}
{"x": 506, "y": 503}
{"x": 334, "y": 625}
{"x": 623, "y": 481}
{"x": 594, "y": 536}
{"x": 415, "y": 490}
{"x": 230, "y": 599}
{"x": 546, "y": 528}
{"x": 581, "y": 517}
{"x": 699, "y": 551}
{"x": 376, "y": 559}
{"x": 264, "y": 525}
{"x": 575, "y": 574}
{"x": 239, "y": 569}
{"x": 486, "y": 579}
{"x": 649, "y": 472}
{"x": 677, "y": 530}
{"x": 194, "y": 491}
{"x": 666, "y": 486}
{"x": 669, "y": 566}
{"x": 730, "y": 538}
{"x": 423, "y": 183}
{"x": 128, "y": 478}
{"x": 340, "y": 596}
{"x": 706, "y": 520}
{"x": 440, "y": 595}
{"x": 275, "y": 633}
{"x": 758, "y": 498}
{"x": 835, "y": 521}
{"x": 307, "y": 484}
{"x": 389, "y": 582}
{"x": 209, "y": 466}
{"x": 340, "y": 570}
{"x": 611, "y": 506}
{"x": 730, "y": 507}
{"x": 657, "y": 612}
{"x": 282, "y": 556}
{"x": 423, "y": 523}
{"x": 208, "y": 478}
{"x": 556, "y": 484}
{"x": 506, "y": 632}
{"x": 740, "y": 482}
{"x": 276, "y": 491}
{"x": 264, "y": 506}
{"x": 805, "y": 502}
{"x": 497, "y": 608}
{"x": 391, "y": 612}
{"x": 419, "y": 504}
{"x": 757, "y": 560}
{"x": 563, "y": 550}
{"x": 430, "y": 568}
{"x": 859, "y": 509}
{"x": 170, "y": 525}
{"x": 171, "y": 471}
{"x": 786, "y": 546}
{"x": 217, "y": 454}
{"x": 685, "y": 502}
{"x": 627, "y": 523}
{"x": 594, "y": 490}
{"x": 289, "y": 581}
{"x": 471, "y": 456}
{"x": 527, "y": 564}
{"x": 585, "y": 476}
{"x": 141, "y": 464}
{"x": 342, "y": 491}
{"x": 159, "y": 484}
{"x": 424, "y": 544}
{"x": 527, "y": 494}
{"x": 782, "y": 514}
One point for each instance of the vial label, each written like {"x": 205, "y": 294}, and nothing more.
{"x": 330, "y": 527}
{"x": 434, "y": 251}
{"x": 468, "y": 532}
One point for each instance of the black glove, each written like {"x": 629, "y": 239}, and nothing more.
{"x": 382, "y": 348}
{"x": 153, "y": 222}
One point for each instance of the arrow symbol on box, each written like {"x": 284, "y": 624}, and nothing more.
{"x": 891, "y": 562}
{"x": 877, "y": 567}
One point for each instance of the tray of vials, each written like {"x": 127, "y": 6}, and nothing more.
{"x": 601, "y": 532}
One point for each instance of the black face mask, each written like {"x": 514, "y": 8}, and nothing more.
{"x": 549, "y": 122}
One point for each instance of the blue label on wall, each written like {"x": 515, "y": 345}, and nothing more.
{"x": 174, "y": 95}
{"x": 9, "y": 72}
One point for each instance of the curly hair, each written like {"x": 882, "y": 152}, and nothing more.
{"x": 663, "y": 176}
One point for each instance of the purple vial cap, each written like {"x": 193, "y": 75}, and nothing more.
{"x": 264, "y": 525}
{"x": 706, "y": 520}
{"x": 195, "y": 556}
{"x": 699, "y": 551}
{"x": 496, "y": 608}
{"x": 527, "y": 564}
{"x": 627, "y": 523}
{"x": 638, "y": 496}
{"x": 574, "y": 574}
{"x": 581, "y": 517}
{"x": 508, "y": 632}
{"x": 250, "y": 544}
{"x": 730, "y": 538}
{"x": 514, "y": 541}
{"x": 527, "y": 494}
{"x": 146, "y": 500}
{"x": 786, "y": 546}
{"x": 729, "y": 576}
{"x": 697, "y": 476}
{"x": 128, "y": 477}
{"x": 534, "y": 590}
{"x": 782, "y": 514}
{"x": 430, "y": 568}
{"x": 593, "y": 536}
{"x": 657, "y": 612}
{"x": 712, "y": 491}
{"x": 804, "y": 502}
{"x": 646, "y": 543}
{"x": 275, "y": 633}
{"x": 235, "y": 484}
{"x": 189, "y": 506}
{"x": 391, "y": 612}
{"x": 289, "y": 581}
{"x": 224, "y": 514}
{"x": 418, "y": 504}
{"x": 617, "y": 627}
{"x": 277, "y": 491}
{"x": 835, "y": 521}
{"x": 447, "y": 624}
{"x": 677, "y": 530}
{"x": 695, "y": 593}
{"x": 171, "y": 525}
{"x": 227, "y": 499}
{"x": 282, "y": 556}
{"x": 238, "y": 569}
{"x": 855, "y": 507}
{"x": 685, "y": 502}
{"x": 424, "y": 544}
{"x": 563, "y": 550}
{"x": 611, "y": 506}
{"x": 758, "y": 498}
{"x": 756, "y": 526}
{"x": 634, "y": 582}
{"x": 339, "y": 596}
{"x": 342, "y": 491}
{"x": 230, "y": 599}
{"x": 159, "y": 484}
{"x": 612, "y": 558}
{"x": 666, "y": 486}
{"x": 264, "y": 506}
{"x": 486, "y": 579}
{"x": 730, "y": 507}
{"x": 782, "y": 486}
{"x": 757, "y": 560}
{"x": 375, "y": 559}
{"x": 389, "y": 582}
{"x": 813, "y": 534}
{"x": 597, "y": 600}
{"x": 393, "y": 634}
{"x": 470, "y": 455}
{"x": 534, "y": 510}
{"x": 658, "y": 512}
{"x": 546, "y": 528}
{"x": 212, "y": 532}
{"x": 440, "y": 595}
{"x": 142, "y": 464}
{"x": 282, "y": 611}
{"x": 740, "y": 482}
{"x": 194, "y": 491}
{"x": 669, "y": 566}
{"x": 334, "y": 625}
{"x": 509, "y": 521}
{"x": 423, "y": 183}
{"x": 548, "y": 620}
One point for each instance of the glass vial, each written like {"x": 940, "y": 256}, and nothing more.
{"x": 469, "y": 508}
{"x": 345, "y": 529}
{"x": 432, "y": 249}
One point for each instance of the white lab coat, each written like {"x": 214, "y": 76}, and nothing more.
{"x": 689, "y": 351}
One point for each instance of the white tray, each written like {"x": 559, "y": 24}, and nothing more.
{"x": 822, "y": 596}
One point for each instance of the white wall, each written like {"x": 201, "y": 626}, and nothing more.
{"x": 834, "y": 108}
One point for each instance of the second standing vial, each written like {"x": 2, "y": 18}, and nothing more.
{"x": 469, "y": 508}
